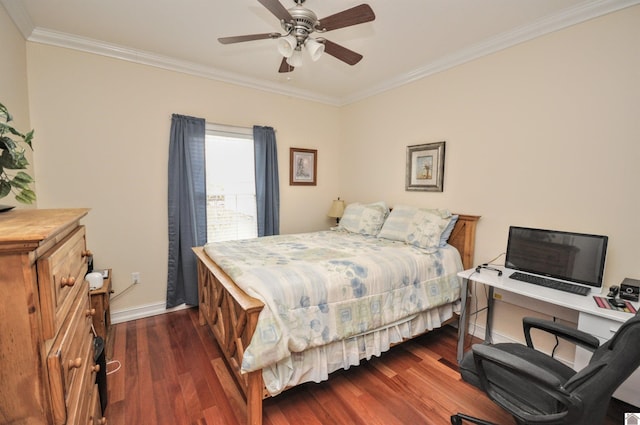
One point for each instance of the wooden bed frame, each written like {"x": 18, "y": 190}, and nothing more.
{"x": 232, "y": 315}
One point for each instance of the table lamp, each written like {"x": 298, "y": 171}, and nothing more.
{"x": 336, "y": 210}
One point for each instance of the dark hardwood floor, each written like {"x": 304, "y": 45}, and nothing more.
{"x": 172, "y": 372}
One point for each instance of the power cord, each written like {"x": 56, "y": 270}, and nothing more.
{"x": 116, "y": 362}
{"x": 121, "y": 293}
{"x": 553, "y": 352}
{"x": 493, "y": 260}
{"x": 475, "y": 308}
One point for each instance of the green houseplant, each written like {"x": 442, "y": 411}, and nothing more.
{"x": 12, "y": 158}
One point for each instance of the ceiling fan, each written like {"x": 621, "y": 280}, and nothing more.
{"x": 298, "y": 24}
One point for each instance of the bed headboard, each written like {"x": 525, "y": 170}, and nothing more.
{"x": 463, "y": 238}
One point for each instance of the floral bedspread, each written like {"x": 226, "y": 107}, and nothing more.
{"x": 327, "y": 286}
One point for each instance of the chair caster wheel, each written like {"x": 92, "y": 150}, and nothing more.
{"x": 455, "y": 420}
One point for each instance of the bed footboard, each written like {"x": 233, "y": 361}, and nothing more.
{"x": 232, "y": 316}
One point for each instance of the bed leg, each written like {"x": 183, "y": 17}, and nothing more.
{"x": 254, "y": 398}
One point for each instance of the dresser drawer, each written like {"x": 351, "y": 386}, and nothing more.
{"x": 61, "y": 273}
{"x": 95, "y": 410}
{"x": 81, "y": 392}
{"x": 71, "y": 356}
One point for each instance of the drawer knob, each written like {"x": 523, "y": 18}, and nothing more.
{"x": 95, "y": 368}
{"x": 90, "y": 312}
{"x": 67, "y": 281}
{"x": 75, "y": 363}
{"x": 87, "y": 253}
{"x": 101, "y": 421}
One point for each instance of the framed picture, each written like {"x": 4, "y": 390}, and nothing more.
{"x": 425, "y": 167}
{"x": 303, "y": 165}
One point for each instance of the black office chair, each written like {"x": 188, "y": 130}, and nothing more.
{"x": 537, "y": 389}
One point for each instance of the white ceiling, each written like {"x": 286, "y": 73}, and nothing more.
{"x": 409, "y": 39}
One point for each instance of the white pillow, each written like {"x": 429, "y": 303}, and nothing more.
{"x": 421, "y": 227}
{"x": 366, "y": 219}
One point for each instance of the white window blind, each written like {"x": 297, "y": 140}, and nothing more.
{"x": 231, "y": 189}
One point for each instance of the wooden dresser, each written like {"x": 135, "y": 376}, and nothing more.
{"x": 47, "y": 372}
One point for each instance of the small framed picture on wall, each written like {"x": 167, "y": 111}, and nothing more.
{"x": 425, "y": 167}
{"x": 303, "y": 165}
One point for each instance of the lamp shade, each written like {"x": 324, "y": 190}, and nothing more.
{"x": 337, "y": 209}
{"x": 286, "y": 45}
{"x": 314, "y": 48}
{"x": 295, "y": 59}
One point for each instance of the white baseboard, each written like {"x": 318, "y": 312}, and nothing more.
{"x": 143, "y": 311}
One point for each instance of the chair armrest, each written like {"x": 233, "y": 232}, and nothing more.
{"x": 538, "y": 377}
{"x": 572, "y": 335}
{"x": 516, "y": 365}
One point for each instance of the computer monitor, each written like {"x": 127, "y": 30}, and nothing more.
{"x": 573, "y": 257}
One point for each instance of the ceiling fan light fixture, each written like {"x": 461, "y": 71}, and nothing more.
{"x": 314, "y": 48}
{"x": 295, "y": 59}
{"x": 287, "y": 45}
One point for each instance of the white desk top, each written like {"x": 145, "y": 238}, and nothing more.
{"x": 580, "y": 303}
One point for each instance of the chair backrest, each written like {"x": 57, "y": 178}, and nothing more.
{"x": 610, "y": 365}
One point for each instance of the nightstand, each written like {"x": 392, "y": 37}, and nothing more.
{"x": 100, "y": 302}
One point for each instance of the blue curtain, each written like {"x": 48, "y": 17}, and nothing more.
{"x": 187, "y": 207}
{"x": 267, "y": 182}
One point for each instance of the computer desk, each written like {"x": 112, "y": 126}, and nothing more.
{"x": 592, "y": 319}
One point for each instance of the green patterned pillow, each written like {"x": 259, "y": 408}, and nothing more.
{"x": 366, "y": 219}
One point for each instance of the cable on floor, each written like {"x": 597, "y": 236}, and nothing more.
{"x": 111, "y": 362}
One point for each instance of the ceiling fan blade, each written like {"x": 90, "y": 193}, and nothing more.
{"x": 249, "y": 37}
{"x": 277, "y": 9}
{"x": 285, "y": 67}
{"x": 342, "y": 53}
{"x": 354, "y": 16}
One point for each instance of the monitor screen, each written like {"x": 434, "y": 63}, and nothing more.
{"x": 574, "y": 257}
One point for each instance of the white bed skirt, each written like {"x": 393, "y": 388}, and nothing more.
{"x": 315, "y": 365}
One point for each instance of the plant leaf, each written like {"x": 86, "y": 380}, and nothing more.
{"x": 13, "y": 160}
{"x": 4, "y": 112}
{"x": 26, "y": 196}
{"x": 28, "y": 138}
{"x": 7, "y": 143}
{"x": 5, "y": 127}
{"x": 5, "y": 188}
{"x": 23, "y": 177}
{"x": 19, "y": 184}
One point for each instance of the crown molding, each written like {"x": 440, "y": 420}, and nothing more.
{"x": 568, "y": 17}
{"x": 74, "y": 42}
{"x": 19, "y": 16}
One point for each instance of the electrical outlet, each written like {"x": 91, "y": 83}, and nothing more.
{"x": 135, "y": 278}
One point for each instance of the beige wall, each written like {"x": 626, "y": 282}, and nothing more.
{"x": 546, "y": 133}
{"x": 542, "y": 134}
{"x": 13, "y": 82}
{"x": 103, "y": 143}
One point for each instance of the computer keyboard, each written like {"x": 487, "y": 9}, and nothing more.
{"x": 549, "y": 283}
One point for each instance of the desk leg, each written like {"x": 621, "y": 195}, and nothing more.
{"x": 487, "y": 329}
{"x": 462, "y": 324}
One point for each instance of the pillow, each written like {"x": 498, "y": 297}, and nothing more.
{"x": 366, "y": 219}
{"x": 421, "y": 227}
{"x": 444, "y": 238}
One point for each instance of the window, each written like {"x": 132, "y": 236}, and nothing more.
{"x": 231, "y": 188}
